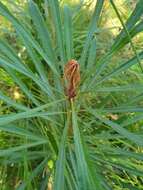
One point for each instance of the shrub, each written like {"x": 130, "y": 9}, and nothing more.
{"x": 84, "y": 138}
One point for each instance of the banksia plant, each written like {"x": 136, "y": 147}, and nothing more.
{"x": 76, "y": 123}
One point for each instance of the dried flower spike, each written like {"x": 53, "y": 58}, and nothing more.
{"x": 72, "y": 76}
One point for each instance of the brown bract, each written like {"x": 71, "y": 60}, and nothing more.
{"x": 72, "y": 76}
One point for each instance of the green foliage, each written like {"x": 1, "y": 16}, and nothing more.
{"x": 94, "y": 141}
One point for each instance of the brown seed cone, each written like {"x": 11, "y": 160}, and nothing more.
{"x": 72, "y": 75}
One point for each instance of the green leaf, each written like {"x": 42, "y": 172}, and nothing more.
{"x": 20, "y": 131}
{"x": 133, "y": 120}
{"x": 123, "y": 88}
{"x": 82, "y": 168}
{"x": 92, "y": 54}
{"x": 137, "y": 139}
{"x": 55, "y": 11}
{"x": 7, "y": 64}
{"x": 131, "y": 21}
{"x": 122, "y": 153}
{"x": 38, "y": 170}
{"x": 68, "y": 33}
{"x": 126, "y": 39}
{"x": 120, "y": 40}
{"x": 85, "y": 180}
{"x": 121, "y": 109}
{"x": 42, "y": 30}
{"x": 35, "y": 112}
{"x": 127, "y": 32}
{"x": 60, "y": 164}
{"x": 92, "y": 29}
{"x": 25, "y": 34}
{"x": 119, "y": 69}
{"x": 22, "y": 85}
{"x": 11, "y": 102}
{"x": 9, "y": 151}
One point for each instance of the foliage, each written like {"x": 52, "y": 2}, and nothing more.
{"x": 93, "y": 141}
